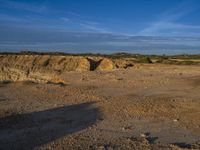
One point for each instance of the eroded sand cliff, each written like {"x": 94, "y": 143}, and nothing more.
{"x": 46, "y": 68}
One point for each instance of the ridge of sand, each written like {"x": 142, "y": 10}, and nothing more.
{"x": 46, "y": 68}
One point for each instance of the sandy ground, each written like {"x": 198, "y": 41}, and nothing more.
{"x": 145, "y": 107}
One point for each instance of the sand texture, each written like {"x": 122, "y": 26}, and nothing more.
{"x": 64, "y": 102}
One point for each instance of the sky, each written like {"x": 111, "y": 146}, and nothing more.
{"x": 97, "y": 20}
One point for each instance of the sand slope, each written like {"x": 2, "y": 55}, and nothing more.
{"x": 46, "y": 68}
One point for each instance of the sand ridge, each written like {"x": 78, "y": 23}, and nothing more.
{"x": 46, "y": 68}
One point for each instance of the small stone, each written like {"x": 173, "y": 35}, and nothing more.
{"x": 175, "y": 120}
{"x": 143, "y": 135}
{"x": 101, "y": 147}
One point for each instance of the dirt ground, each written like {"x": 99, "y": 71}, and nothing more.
{"x": 148, "y": 106}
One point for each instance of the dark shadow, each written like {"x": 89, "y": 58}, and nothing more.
{"x": 2, "y": 99}
{"x": 31, "y": 130}
{"x": 5, "y": 82}
{"x": 149, "y": 138}
{"x": 61, "y": 84}
{"x": 93, "y": 64}
{"x": 152, "y": 140}
{"x": 183, "y": 145}
{"x": 128, "y": 66}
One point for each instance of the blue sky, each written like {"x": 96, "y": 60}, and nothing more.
{"x": 128, "y": 17}
{"x": 100, "y": 25}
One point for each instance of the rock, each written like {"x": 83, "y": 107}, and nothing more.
{"x": 101, "y": 148}
{"x": 143, "y": 135}
{"x": 175, "y": 120}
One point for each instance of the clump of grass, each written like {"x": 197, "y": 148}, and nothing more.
{"x": 145, "y": 60}
{"x": 166, "y": 61}
{"x": 175, "y": 62}
{"x": 187, "y": 63}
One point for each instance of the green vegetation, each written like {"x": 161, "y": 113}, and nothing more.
{"x": 144, "y": 59}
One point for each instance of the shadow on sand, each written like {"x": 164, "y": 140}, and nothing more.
{"x": 94, "y": 64}
{"x": 31, "y": 130}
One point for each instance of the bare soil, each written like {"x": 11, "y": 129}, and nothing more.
{"x": 148, "y": 106}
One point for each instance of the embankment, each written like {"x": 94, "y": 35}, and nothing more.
{"x": 47, "y": 68}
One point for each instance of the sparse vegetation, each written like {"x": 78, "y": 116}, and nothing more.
{"x": 184, "y": 59}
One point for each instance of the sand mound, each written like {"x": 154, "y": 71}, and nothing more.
{"x": 123, "y": 64}
{"x": 62, "y": 63}
{"x": 105, "y": 64}
{"x": 47, "y": 68}
{"x": 39, "y": 68}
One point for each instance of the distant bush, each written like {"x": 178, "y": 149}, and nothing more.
{"x": 145, "y": 60}
{"x": 187, "y": 63}
{"x": 175, "y": 62}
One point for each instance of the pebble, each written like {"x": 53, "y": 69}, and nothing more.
{"x": 143, "y": 135}
{"x": 101, "y": 148}
{"x": 175, "y": 120}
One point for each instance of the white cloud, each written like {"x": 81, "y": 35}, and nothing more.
{"x": 167, "y": 21}
{"x": 84, "y": 23}
{"x": 93, "y": 27}
{"x": 161, "y": 26}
